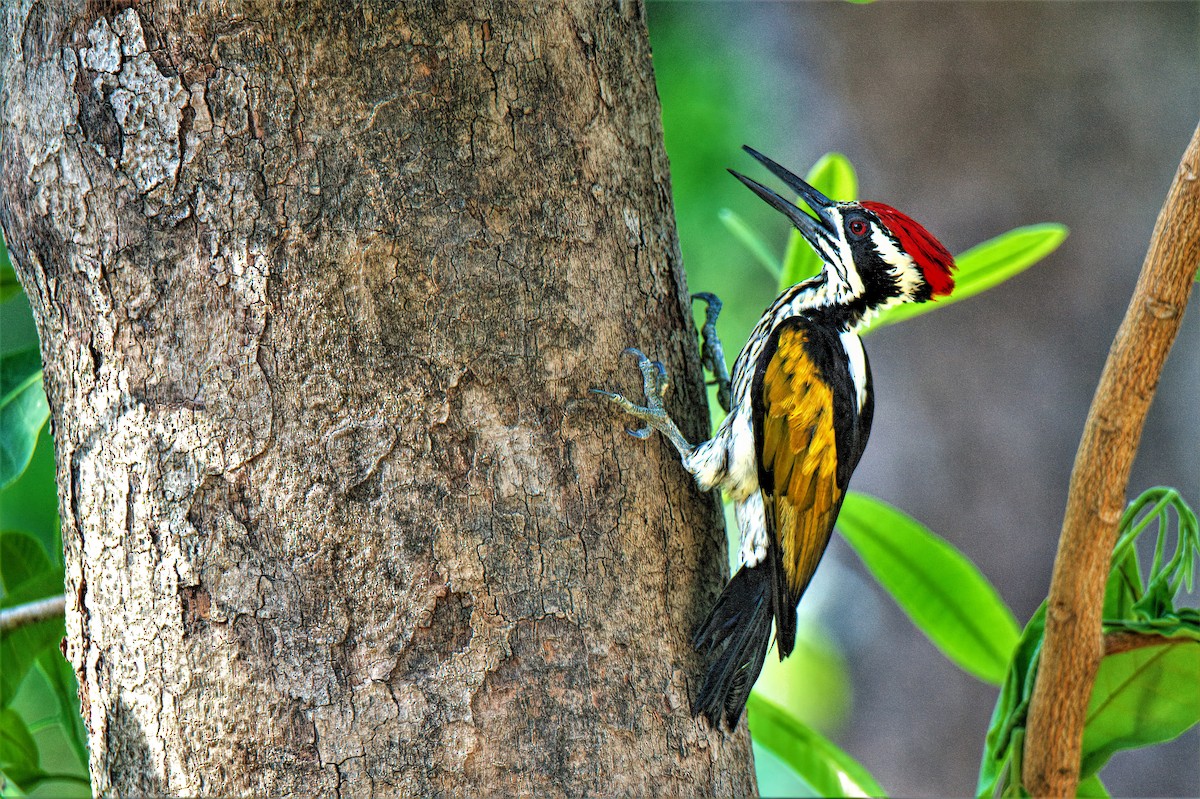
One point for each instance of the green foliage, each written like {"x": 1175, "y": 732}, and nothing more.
{"x": 816, "y": 760}
{"x": 8, "y": 788}
{"x": 1141, "y": 697}
{"x": 9, "y": 287}
{"x": 942, "y": 592}
{"x": 1006, "y": 733}
{"x": 19, "y": 756}
{"x": 1149, "y": 695}
{"x": 26, "y": 571}
{"x": 35, "y": 682}
{"x": 751, "y": 241}
{"x": 1150, "y": 607}
{"x": 713, "y": 94}
{"x": 67, "y": 720}
{"x": 1091, "y": 788}
{"x": 26, "y": 574}
{"x": 23, "y": 411}
{"x": 813, "y": 678}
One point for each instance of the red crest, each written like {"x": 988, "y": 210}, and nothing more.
{"x": 930, "y": 255}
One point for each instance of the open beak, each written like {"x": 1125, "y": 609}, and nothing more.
{"x": 820, "y": 231}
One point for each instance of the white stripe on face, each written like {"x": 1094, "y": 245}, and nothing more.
{"x": 844, "y": 278}
{"x": 900, "y": 264}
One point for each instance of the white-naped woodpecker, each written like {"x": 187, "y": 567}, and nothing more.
{"x": 799, "y": 409}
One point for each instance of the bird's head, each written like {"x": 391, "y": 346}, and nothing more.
{"x": 871, "y": 251}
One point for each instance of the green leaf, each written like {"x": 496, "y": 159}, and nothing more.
{"x": 1091, "y": 788}
{"x": 776, "y": 778}
{"x": 20, "y": 648}
{"x": 9, "y": 788}
{"x": 30, "y": 503}
{"x": 1155, "y": 601}
{"x": 1141, "y": 697}
{"x": 812, "y": 682}
{"x": 1124, "y": 586}
{"x": 61, "y": 679}
{"x": 1148, "y": 695}
{"x": 26, "y": 571}
{"x": 815, "y": 759}
{"x": 943, "y": 593}
{"x": 9, "y": 287}
{"x": 23, "y": 411}
{"x": 26, "y": 574}
{"x": 1182, "y": 623}
{"x": 1001, "y": 763}
{"x": 833, "y": 175}
{"x": 751, "y": 240}
{"x": 984, "y": 266}
{"x": 18, "y": 751}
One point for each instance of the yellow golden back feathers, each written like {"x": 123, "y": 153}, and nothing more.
{"x": 799, "y": 450}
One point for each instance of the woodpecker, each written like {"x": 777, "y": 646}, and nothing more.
{"x": 799, "y": 410}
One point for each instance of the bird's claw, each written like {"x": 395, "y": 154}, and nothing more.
{"x": 656, "y": 382}
{"x": 712, "y": 354}
{"x": 637, "y": 411}
{"x": 712, "y": 306}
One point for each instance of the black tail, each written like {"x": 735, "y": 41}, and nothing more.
{"x": 734, "y": 639}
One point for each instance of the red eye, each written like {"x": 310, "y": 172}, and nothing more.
{"x": 858, "y": 227}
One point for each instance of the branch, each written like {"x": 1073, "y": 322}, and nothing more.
{"x": 31, "y": 613}
{"x": 1116, "y": 643}
{"x": 1074, "y": 643}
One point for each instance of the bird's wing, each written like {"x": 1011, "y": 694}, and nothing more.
{"x": 807, "y": 416}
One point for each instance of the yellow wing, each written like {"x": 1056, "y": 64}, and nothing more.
{"x": 799, "y": 459}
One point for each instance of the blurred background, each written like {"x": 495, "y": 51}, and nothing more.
{"x": 975, "y": 118}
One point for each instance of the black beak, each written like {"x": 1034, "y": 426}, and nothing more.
{"x": 819, "y": 232}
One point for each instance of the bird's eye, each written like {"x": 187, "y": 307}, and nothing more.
{"x": 858, "y": 227}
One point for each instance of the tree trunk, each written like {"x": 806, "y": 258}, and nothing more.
{"x": 321, "y": 292}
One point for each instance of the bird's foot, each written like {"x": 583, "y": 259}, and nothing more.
{"x": 711, "y": 352}
{"x": 655, "y": 384}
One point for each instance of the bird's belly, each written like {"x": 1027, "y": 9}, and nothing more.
{"x": 752, "y": 524}
{"x": 742, "y": 465}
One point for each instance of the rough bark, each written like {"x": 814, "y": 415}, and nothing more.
{"x": 321, "y": 291}
{"x": 1075, "y": 641}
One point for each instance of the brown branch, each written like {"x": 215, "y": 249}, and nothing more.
{"x": 1074, "y": 642}
{"x": 1116, "y": 643}
{"x": 31, "y": 613}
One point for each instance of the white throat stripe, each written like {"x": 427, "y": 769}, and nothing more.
{"x": 857, "y": 359}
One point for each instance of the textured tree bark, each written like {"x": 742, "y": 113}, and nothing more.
{"x": 321, "y": 292}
